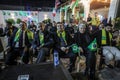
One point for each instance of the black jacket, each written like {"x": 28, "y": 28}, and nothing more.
{"x": 48, "y": 41}
{"x": 69, "y": 40}
{"x": 98, "y": 36}
{"x": 28, "y": 43}
{"x": 7, "y": 30}
{"x": 1, "y": 32}
{"x": 82, "y": 40}
{"x": 10, "y": 36}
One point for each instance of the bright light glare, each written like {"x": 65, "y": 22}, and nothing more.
{"x": 29, "y": 16}
{"x": 100, "y": 17}
{"x": 12, "y": 14}
{"x": 45, "y": 16}
{"x": 85, "y": 2}
{"x": 13, "y": 17}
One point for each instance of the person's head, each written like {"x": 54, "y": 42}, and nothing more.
{"x": 32, "y": 22}
{"x": 88, "y": 15}
{"x": 105, "y": 16}
{"x": 8, "y": 23}
{"x": 54, "y": 23}
{"x": 82, "y": 28}
{"x": 108, "y": 27}
{"x": 72, "y": 16}
{"x": 60, "y": 27}
{"x": 42, "y": 26}
{"x": 23, "y": 25}
{"x": 101, "y": 26}
{"x": 96, "y": 14}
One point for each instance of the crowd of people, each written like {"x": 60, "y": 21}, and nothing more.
{"x": 68, "y": 39}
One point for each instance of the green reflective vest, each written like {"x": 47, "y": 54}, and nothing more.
{"x": 63, "y": 35}
{"x": 41, "y": 38}
{"x": 110, "y": 36}
{"x": 29, "y": 34}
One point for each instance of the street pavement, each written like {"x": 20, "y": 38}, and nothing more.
{"x": 109, "y": 74}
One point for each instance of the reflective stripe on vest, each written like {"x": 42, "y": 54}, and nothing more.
{"x": 29, "y": 34}
{"x": 63, "y": 36}
{"x": 41, "y": 38}
{"x": 17, "y": 35}
{"x": 110, "y": 36}
{"x": 103, "y": 40}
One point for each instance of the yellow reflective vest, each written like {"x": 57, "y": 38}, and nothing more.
{"x": 104, "y": 37}
{"x": 95, "y": 21}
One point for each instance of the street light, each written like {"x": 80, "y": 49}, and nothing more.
{"x": 45, "y": 16}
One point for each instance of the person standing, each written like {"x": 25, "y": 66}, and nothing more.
{"x": 83, "y": 40}
{"x": 104, "y": 21}
{"x": 95, "y": 22}
{"x": 103, "y": 39}
{"x": 32, "y": 26}
{"x": 89, "y": 18}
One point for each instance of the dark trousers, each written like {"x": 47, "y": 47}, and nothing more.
{"x": 16, "y": 52}
{"x": 102, "y": 60}
{"x": 70, "y": 55}
{"x": 94, "y": 28}
{"x": 42, "y": 55}
{"x": 90, "y": 65}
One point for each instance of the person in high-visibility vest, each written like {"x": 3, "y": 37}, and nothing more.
{"x": 109, "y": 30}
{"x": 63, "y": 41}
{"x": 22, "y": 42}
{"x": 103, "y": 39}
{"x": 44, "y": 42}
{"x": 95, "y": 22}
